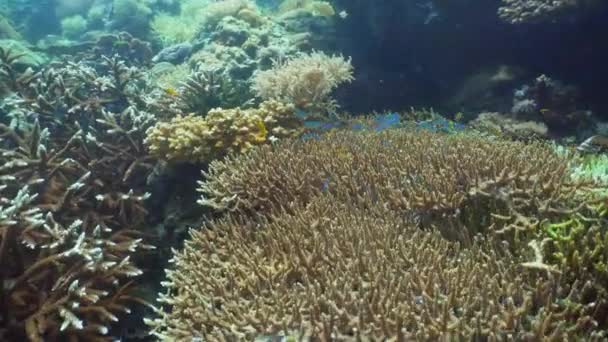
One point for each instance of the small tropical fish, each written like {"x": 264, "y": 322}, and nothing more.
{"x": 594, "y": 144}
{"x": 262, "y": 131}
{"x": 383, "y": 122}
{"x": 325, "y": 184}
{"x": 544, "y": 110}
{"x": 171, "y": 91}
{"x": 343, "y": 14}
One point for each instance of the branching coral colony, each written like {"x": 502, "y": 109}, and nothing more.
{"x": 525, "y": 11}
{"x": 400, "y": 235}
{"x": 72, "y": 170}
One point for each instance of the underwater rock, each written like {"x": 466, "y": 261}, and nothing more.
{"x": 7, "y": 31}
{"x": 553, "y": 102}
{"x": 594, "y": 144}
{"x": 174, "y": 54}
{"x": 29, "y": 57}
{"x": 487, "y": 87}
{"x": 231, "y": 32}
{"x": 505, "y": 126}
{"x": 57, "y": 45}
{"x": 67, "y": 8}
{"x": 132, "y": 49}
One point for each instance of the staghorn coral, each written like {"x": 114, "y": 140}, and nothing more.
{"x": 331, "y": 270}
{"x": 11, "y": 79}
{"x": 323, "y": 241}
{"x": 306, "y": 80}
{"x": 592, "y": 167}
{"x": 73, "y": 170}
{"x": 578, "y": 247}
{"x": 459, "y": 184}
{"x": 222, "y": 131}
{"x": 525, "y": 11}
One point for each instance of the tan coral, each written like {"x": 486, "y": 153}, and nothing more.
{"x": 333, "y": 272}
{"x": 460, "y": 184}
{"x": 221, "y": 131}
{"x": 71, "y": 203}
{"x": 306, "y": 80}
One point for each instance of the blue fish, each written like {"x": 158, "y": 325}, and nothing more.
{"x": 387, "y": 121}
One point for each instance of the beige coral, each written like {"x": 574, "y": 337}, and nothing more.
{"x": 332, "y": 271}
{"x": 524, "y": 11}
{"x": 399, "y": 235}
{"x": 222, "y": 131}
{"x": 461, "y": 184}
{"x": 306, "y": 80}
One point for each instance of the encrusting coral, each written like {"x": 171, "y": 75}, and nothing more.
{"x": 222, "y": 131}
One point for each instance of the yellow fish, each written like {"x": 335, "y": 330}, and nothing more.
{"x": 262, "y": 131}
{"x": 171, "y": 91}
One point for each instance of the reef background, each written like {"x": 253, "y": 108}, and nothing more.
{"x": 150, "y": 149}
{"x": 424, "y": 64}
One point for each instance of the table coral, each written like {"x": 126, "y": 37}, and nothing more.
{"x": 222, "y": 131}
{"x": 403, "y": 235}
{"x": 348, "y": 270}
{"x": 442, "y": 181}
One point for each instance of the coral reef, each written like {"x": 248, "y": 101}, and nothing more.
{"x": 74, "y": 26}
{"x": 503, "y": 125}
{"x": 317, "y": 231}
{"x": 222, "y": 131}
{"x": 131, "y": 50}
{"x": 306, "y": 80}
{"x": 199, "y": 16}
{"x": 497, "y": 176}
{"x": 526, "y": 11}
{"x": 553, "y": 103}
{"x": 73, "y": 171}
{"x": 236, "y": 43}
{"x": 334, "y": 271}
{"x": 131, "y": 15}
